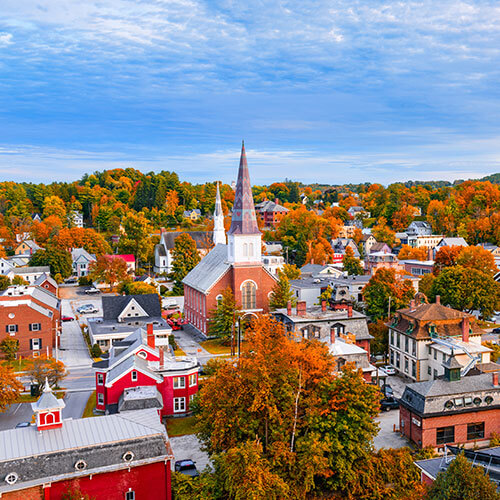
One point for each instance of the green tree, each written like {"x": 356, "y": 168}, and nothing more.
{"x": 136, "y": 288}
{"x": 425, "y": 284}
{"x": 19, "y": 280}
{"x": 467, "y": 289}
{"x": 281, "y": 293}
{"x": 42, "y": 368}
{"x": 351, "y": 264}
{"x": 58, "y": 259}
{"x": 185, "y": 257}
{"x": 4, "y": 282}
{"x": 382, "y": 285}
{"x": 462, "y": 481}
{"x": 223, "y": 316}
{"x": 137, "y": 239}
{"x": 301, "y": 251}
{"x": 9, "y": 346}
{"x": 291, "y": 271}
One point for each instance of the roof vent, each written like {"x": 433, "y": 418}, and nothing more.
{"x": 11, "y": 478}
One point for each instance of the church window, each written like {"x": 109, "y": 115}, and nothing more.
{"x": 248, "y": 292}
{"x": 250, "y": 248}
{"x": 245, "y": 249}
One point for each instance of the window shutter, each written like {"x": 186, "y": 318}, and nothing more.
{"x": 31, "y": 344}
{"x": 7, "y": 328}
{"x": 16, "y": 328}
{"x": 30, "y": 327}
{"x": 40, "y": 343}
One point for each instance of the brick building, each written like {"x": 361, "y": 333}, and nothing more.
{"x": 237, "y": 265}
{"x": 270, "y": 212}
{"x": 31, "y": 315}
{"x": 137, "y": 363}
{"x": 115, "y": 457}
{"x": 454, "y": 409}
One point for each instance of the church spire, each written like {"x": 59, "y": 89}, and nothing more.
{"x": 243, "y": 220}
{"x": 219, "y": 235}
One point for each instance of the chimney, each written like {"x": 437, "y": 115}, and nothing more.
{"x": 412, "y": 305}
{"x": 332, "y": 336}
{"x": 323, "y": 306}
{"x": 349, "y": 310}
{"x": 465, "y": 329}
{"x": 289, "y": 307}
{"x": 301, "y": 308}
{"x": 276, "y": 201}
{"x": 162, "y": 357}
{"x": 495, "y": 379}
{"x": 438, "y": 299}
{"x": 151, "y": 335}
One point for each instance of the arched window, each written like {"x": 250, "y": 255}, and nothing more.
{"x": 245, "y": 249}
{"x": 49, "y": 418}
{"x": 250, "y": 248}
{"x": 219, "y": 299}
{"x": 248, "y": 295}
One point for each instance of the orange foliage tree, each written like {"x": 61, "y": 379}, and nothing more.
{"x": 446, "y": 257}
{"x": 409, "y": 253}
{"x": 477, "y": 258}
{"x": 320, "y": 252}
{"x": 10, "y": 387}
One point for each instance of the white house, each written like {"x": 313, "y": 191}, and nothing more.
{"x": 81, "y": 261}
{"x": 76, "y": 218}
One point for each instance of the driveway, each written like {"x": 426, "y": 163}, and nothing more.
{"x": 188, "y": 447}
{"x": 387, "y": 438}
{"x": 16, "y": 413}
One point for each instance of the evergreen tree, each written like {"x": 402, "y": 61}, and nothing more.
{"x": 185, "y": 256}
{"x": 294, "y": 196}
{"x": 223, "y": 316}
{"x": 59, "y": 261}
{"x": 301, "y": 250}
{"x": 161, "y": 194}
{"x": 281, "y": 293}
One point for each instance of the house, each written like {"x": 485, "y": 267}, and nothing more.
{"x": 488, "y": 459}
{"x": 18, "y": 260}
{"x": 368, "y": 240}
{"x": 31, "y": 315}
{"x": 270, "y": 212}
{"x": 114, "y": 457}
{"x": 378, "y": 260}
{"x": 354, "y": 285}
{"x": 344, "y": 350}
{"x": 358, "y": 211}
{"x": 417, "y": 267}
{"x": 273, "y": 263}
{"x": 237, "y": 265}
{"x": 5, "y": 266}
{"x": 419, "y": 228}
{"x": 402, "y": 238}
{"x": 81, "y": 261}
{"x": 321, "y": 322}
{"x": 451, "y": 410}
{"x": 75, "y": 218}
{"x": 379, "y": 247}
{"x": 137, "y": 372}
{"x": 163, "y": 250}
{"x": 321, "y": 271}
{"x": 27, "y": 247}
{"x": 339, "y": 246}
{"x": 129, "y": 260}
{"x": 449, "y": 242}
{"x": 123, "y": 314}
{"x": 48, "y": 283}
{"x": 424, "y": 241}
{"x": 30, "y": 273}
{"x": 423, "y": 336}
{"x": 36, "y": 218}
{"x": 193, "y": 215}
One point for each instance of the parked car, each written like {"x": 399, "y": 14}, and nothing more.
{"x": 20, "y": 425}
{"x": 92, "y": 290}
{"x": 71, "y": 281}
{"x": 390, "y": 370}
{"x": 387, "y": 391}
{"x": 187, "y": 467}
{"x": 390, "y": 403}
{"x": 87, "y": 309}
{"x": 67, "y": 318}
{"x": 495, "y": 330}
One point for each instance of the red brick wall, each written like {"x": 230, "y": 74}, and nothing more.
{"x": 35, "y": 493}
{"x": 24, "y": 316}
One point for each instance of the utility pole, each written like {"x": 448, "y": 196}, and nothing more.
{"x": 389, "y": 309}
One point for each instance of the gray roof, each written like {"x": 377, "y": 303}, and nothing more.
{"x": 31, "y": 270}
{"x": 428, "y": 398}
{"x": 140, "y": 398}
{"x": 209, "y": 270}
{"x": 311, "y": 268}
{"x": 270, "y": 206}
{"x": 101, "y": 442}
{"x": 130, "y": 363}
{"x": 449, "y": 242}
{"x": 45, "y": 277}
{"x": 112, "y": 306}
{"x": 203, "y": 239}
{"x": 78, "y": 253}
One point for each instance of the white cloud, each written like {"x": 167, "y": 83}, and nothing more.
{"x": 5, "y": 39}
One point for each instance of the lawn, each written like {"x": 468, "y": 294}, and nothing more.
{"x": 180, "y": 426}
{"x": 216, "y": 346}
{"x": 18, "y": 365}
{"x": 89, "y": 407}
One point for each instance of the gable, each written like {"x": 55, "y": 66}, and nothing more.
{"x": 132, "y": 310}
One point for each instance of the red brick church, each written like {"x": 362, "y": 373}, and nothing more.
{"x": 236, "y": 264}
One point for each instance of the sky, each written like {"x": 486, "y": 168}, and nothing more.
{"x": 329, "y": 91}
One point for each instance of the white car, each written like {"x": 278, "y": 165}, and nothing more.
{"x": 390, "y": 370}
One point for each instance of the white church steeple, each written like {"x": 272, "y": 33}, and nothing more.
{"x": 219, "y": 235}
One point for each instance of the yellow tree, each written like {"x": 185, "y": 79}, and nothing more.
{"x": 10, "y": 387}
{"x": 53, "y": 205}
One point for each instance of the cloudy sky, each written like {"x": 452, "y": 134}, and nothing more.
{"x": 327, "y": 90}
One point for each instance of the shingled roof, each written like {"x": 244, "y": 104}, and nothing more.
{"x": 112, "y": 306}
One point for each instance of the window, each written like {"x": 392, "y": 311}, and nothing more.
{"x": 413, "y": 369}
{"x": 392, "y": 357}
{"x": 11, "y": 478}
{"x": 406, "y": 365}
{"x": 179, "y": 382}
{"x": 130, "y": 495}
{"x": 397, "y": 359}
{"x": 192, "y": 379}
{"x": 36, "y": 344}
{"x": 435, "y": 374}
{"x": 100, "y": 379}
{"x": 179, "y": 405}
{"x": 134, "y": 376}
{"x": 429, "y": 371}
{"x": 435, "y": 354}
{"x": 248, "y": 292}
{"x": 397, "y": 339}
{"x": 191, "y": 398}
{"x": 475, "y": 431}
{"x": 35, "y": 327}
{"x": 445, "y": 435}
{"x": 406, "y": 345}
{"x": 392, "y": 337}
{"x": 11, "y": 328}
{"x": 128, "y": 456}
{"x": 142, "y": 354}
{"x": 81, "y": 465}
{"x": 414, "y": 348}
{"x": 100, "y": 398}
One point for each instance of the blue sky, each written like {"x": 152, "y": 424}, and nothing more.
{"x": 327, "y": 91}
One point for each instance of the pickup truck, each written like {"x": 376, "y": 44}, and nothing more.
{"x": 92, "y": 290}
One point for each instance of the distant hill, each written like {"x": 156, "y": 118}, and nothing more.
{"x": 494, "y": 178}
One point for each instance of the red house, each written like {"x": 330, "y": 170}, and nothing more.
{"x": 271, "y": 212}
{"x": 114, "y": 457}
{"x": 237, "y": 265}
{"x": 128, "y": 258}
{"x": 136, "y": 362}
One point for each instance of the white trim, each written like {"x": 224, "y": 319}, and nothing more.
{"x": 246, "y": 281}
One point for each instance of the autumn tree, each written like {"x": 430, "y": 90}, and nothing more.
{"x": 281, "y": 293}
{"x": 137, "y": 239}
{"x": 477, "y": 257}
{"x": 380, "y": 333}
{"x": 53, "y": 205}
{"x": 382, "y": 233}
{"x": 291, "y": 271}
{"x": 185, "y": 257}
{"x": 425, "y": 284}
{"x": 44, "y": 367}
{"x": 10, "y": 387}
{"x": 385, "y": 284}
{"x": 4, "y": 282}
{"x": 320, "y": 252}
{"x": 59, "y": 261}
{"x": 446, "y": 256}
{"x": 9, "y": 347}
{"x": 463, "y": 481}
{"x": 467, "y": 289}
{"x": 108, "y": 269}
{"x": 128, "y": 287}
{"x": 223, "y": 316}
{"x": 352, "y": 265}
{"x": 411, "y": 253}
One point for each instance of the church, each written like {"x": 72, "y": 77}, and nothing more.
{"x": 235, "y": 263}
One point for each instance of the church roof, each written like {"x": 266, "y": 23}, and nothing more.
{"x": 218, "y": 203}
{"x": 209, "y": 270}
{"x": 243, "y": 220}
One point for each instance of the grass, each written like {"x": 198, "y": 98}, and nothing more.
{"x": 180, "y": 426}
{"x": 179, "y": 352}
{"x": 216, "y": 346}
{"x": 28, "y": 398}
{"x": 18, "y": 365}
{"x": 486, "y": 324}
{"x": 89, "y": 407}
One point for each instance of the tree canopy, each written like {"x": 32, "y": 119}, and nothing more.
{"x": 185, "y": 256}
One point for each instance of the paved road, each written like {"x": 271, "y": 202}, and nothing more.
{"x": 188, "y": 447}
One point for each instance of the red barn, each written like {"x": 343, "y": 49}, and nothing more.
{"x": 114, "y": 457}
{"x": 237, "y": 265}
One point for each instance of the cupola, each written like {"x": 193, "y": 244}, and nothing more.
{"x": 48, "y": 409}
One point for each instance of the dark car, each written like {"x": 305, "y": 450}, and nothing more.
{"x": 389, "y": 404}
{"x": 496, "y": 330}
{"x": 387, "y": 391}
{"x": 20, "y": 425}
{"x": 187, "y": 467}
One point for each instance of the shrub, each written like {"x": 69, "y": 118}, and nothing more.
{"x": 96, "y": 351}
{"x": 84, "y": 281}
